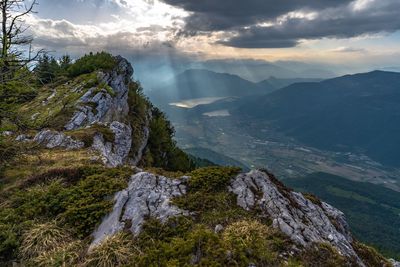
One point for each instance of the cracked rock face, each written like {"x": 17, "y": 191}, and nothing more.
{"x": 147, "y": 195}
{"x": 299, "y": 218}
{"x": 108, "y": 108}
{"x": 117, "y": 152}
{"x": 104, "y": 107}
{"x": 53, "y": 139}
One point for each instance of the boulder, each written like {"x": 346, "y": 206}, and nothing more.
{"x": 147, "y": 195}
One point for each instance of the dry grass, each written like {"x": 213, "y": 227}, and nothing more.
{"x": 251, "y": 241}
{"x": 68, "y": 255}
{"x": 116, "y": 251}
{"x": 246, "y": 232}
{"x": 42, "y": 161}
{"x": 43, "y": 238}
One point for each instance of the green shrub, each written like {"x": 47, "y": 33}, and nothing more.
{"x": 8, "y": 151}
{"x": 208, "y": 197}
{"x": 9, "y": 241}
{"x": 154, "y": 229}
{"x": 199, "y": 246}
{"x": 370, "y": 256}
{"x": 80, "y": 206}
{"x": 211, "y": 179}
{"x": 162, "y": 150}
{"x": 323, "y": 255}
{"x": 86, "y": 203}
{"x": 92, "y": 62}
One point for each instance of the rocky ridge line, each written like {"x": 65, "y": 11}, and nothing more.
{"x": 306, "y": 223}
{"x": 303, "y": 221}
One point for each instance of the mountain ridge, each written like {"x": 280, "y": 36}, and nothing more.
{"x": 367, "y": 101}
{"x": 95, "y": 179}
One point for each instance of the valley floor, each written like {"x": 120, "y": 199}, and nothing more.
{"x": 282, "y": 155}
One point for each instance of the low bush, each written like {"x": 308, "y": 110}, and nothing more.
{"x": 323, "y": 255}
{"x": 211, "y": 179}
{"x": 370, "y": 256}
{"x": 198, "y": 246}
{"x": 92, "y": 62}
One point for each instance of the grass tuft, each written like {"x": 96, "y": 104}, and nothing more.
{"x": 116, "y": 251}
{"x": 42, "y": 238}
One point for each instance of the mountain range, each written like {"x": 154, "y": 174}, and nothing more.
{"x": 355, "y": 113}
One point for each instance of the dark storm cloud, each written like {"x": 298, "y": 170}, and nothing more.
{"x": 222, "y": 15}
{"x": 332, "y": 19}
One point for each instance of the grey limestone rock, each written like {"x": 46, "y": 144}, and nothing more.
{"x": 114, "y": 153}
{"x": 147, "y": 195}
{"x": 23, "y": 138}
{"x": 53, "y": 139}
{"x": 394, "y": 263}
{"x": 107, "y": 108}
{"x": 302, "y": 220}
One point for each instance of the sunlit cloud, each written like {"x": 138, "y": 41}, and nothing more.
{"x": 176, "y": 30}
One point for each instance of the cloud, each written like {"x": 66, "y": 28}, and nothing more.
{"x": 79, "y": 11}
{"x": 61, "y": 36}
{"x": 345, "y": 49}
{"x": 222, "y": 15}
{"x": 268, "y": 24}
{"x": 79, "y": 26}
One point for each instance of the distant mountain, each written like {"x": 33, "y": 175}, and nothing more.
{"x": 359, "y": 113}
{"x": 199, "y": 83}
{"x": 278, "y": 83}
{"x": 258, "y": 70}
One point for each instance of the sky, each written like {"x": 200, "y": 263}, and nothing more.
{"x": 342, "y": 35}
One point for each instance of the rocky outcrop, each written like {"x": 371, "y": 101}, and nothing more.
{"x": 101, "y": 105}
{"x": 302, "y": 220}
{"x": 394, "y": 263}
{"x": 53, "y": 139}
{"x": 114, "y": 153}
{"x": 87, "y": 114}
{"x": 147, "y": 195}
{"x": 107, "y": 104}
